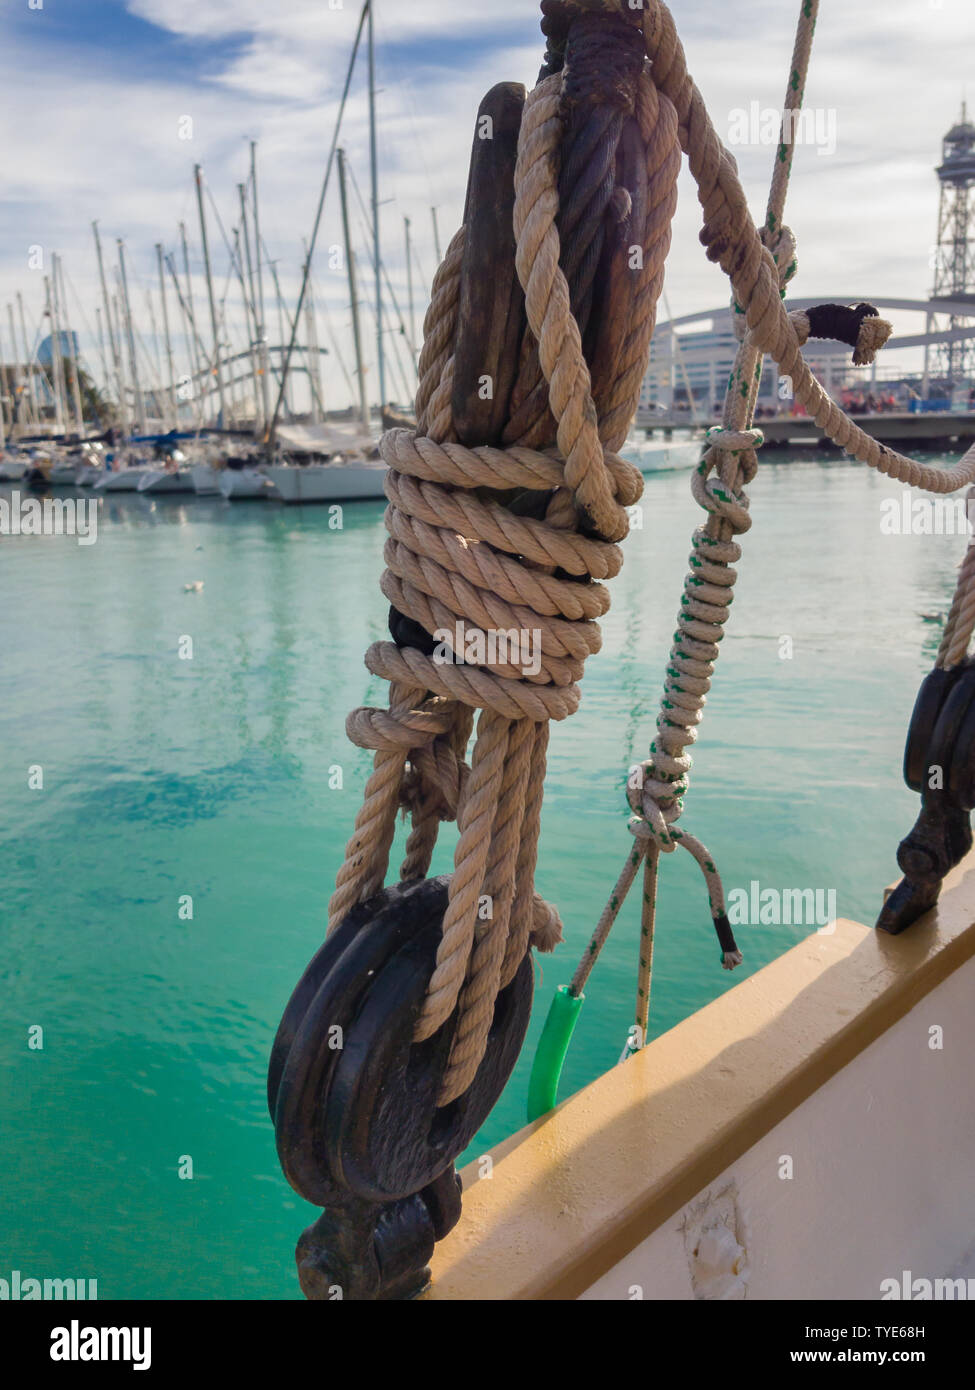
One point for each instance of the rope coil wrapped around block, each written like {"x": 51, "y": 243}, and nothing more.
{"x": 463, "y": 555}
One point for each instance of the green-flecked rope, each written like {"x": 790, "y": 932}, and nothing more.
{"x": 708, "y": 592}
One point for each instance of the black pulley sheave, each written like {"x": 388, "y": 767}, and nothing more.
{"x": 939, "y": 762}
{"x": 354, "y": 1099}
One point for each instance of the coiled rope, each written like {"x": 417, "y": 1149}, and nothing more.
{"x": 461, "y": 551}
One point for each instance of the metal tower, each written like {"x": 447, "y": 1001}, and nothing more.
{"x": 954, "y": 263}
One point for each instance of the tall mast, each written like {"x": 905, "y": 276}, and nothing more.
{"x": 409, "y": 289}
{"x": 281, "y": 333}
{"x": 259, "y": 306}
{"x": 250, "y": 313}
{"x": 350, "y": 262}
{"x": 269, "y": 434}
{"x": 311, "y": 347}
{"x": 3, "y": 431}
{"x": 375, "y": 209}
{"x": 3, "y": 378}
{"x": 55, "y": 354}
{"x": 75, "y": 383}
{"x": 169, "y": 346}
{"x": 198, "y": 175}
{"x": 436, "y": 235}
{"x": 13, "y": 367}
{"x": 119, "y": 334}
{"x": 100, "y": 329}
{"x": 31, "y": 385}
{"x": 114, "y": 344}
{"x": 140, "y": 403}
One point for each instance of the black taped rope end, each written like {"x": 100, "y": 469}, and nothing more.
{"x": 859, "y": 325}
{"x": 731, "y": 956}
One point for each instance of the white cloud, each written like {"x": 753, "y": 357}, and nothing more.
{"x": 104, "y": 144}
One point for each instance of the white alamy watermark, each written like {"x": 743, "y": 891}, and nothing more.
{"x": 520, "y": 647}
{"x": 24, "y": 515}
{"x": 756, "y": 906}
{"x": 77, "y": 1343}
{"x": 23, "y": 1288}
{"x": 914, "y": 1290}
{"x": 765, "y": 125}
{"x": 926, "y": 516}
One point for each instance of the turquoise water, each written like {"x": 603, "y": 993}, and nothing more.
{"x": 210, "y": 777}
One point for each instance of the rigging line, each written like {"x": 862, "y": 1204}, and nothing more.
{"x": 269, "y": 435}
{"x": 382, "y": 266}
{"x": 330, "y": 328}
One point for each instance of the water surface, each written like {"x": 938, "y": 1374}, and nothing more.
{"x": 210, "y": 777}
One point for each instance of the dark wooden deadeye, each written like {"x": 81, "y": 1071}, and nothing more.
{"x": 354, "y": 1100}
{"x": 939, "y": 762}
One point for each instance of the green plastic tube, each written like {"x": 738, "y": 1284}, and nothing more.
{"x": 543, "y": 1087}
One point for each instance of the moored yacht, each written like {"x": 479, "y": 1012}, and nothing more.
{"x": 340, "y": 480}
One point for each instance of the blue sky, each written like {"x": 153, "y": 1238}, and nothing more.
{"x": 93, "y": 93}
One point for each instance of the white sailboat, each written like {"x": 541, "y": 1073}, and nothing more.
{"x": 206, "y": 479}
{"x": 64, "y": 470}
{"x": 339, "y": 481}
{"x": 123, "y": 474}
{"x": 158, "y": 480}
{"x": 240, "y": 483}
{"x": 12, "y": 468}
{"x": 665, "y": 455}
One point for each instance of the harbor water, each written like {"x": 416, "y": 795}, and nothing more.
{"x": 213, "y": 778}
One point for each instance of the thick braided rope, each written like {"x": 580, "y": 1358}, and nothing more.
{"x": 560, "y": 353}
{"x": 604, "y": 489}
{"x": 759, "y": 266}
{"x": 731, "y": 239}
{"x": 957, "y": 636}
{"x": 454, "y": 555}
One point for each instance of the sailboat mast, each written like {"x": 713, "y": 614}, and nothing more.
{"x": 3, "y": 429}
{"x": 436, "y": 235}
{"x": 115, "y": 346}
{"x": 250, "y": 313}
{"x": 281, "y": 333}
{"x": 269, "y": 435}
{"x": 31, "y": 385}
{"x": 140, "y": 404}
{"x": 100, "y": 329}
{"x": 374, "y": 170}
{"x": 350, "y": 263}
{"x": 409, "y": 289}
{"x": 259, "y": 306}
{"x": 311, "y": 347}
{"x": 174, "y": 406}
{"x": 15, "y": 414}
{"x": 75, "y": 382}
{"x": 198, "y": 175}
{"x": 119, "y": 332}
{"x": 55, "y": 353}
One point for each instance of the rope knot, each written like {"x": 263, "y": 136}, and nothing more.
{"x": 604, "y": 55}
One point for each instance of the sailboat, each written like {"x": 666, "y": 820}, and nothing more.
{"x": 345, "y": 465}
{"x": 352, "y": 470}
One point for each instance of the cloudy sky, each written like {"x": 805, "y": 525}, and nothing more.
{"x": 95, "y": 96}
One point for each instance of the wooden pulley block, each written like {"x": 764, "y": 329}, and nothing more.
{"x": 354, "y": 1099}
{"x": 939, "y": 762}
{"x": 934, "y": 691}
